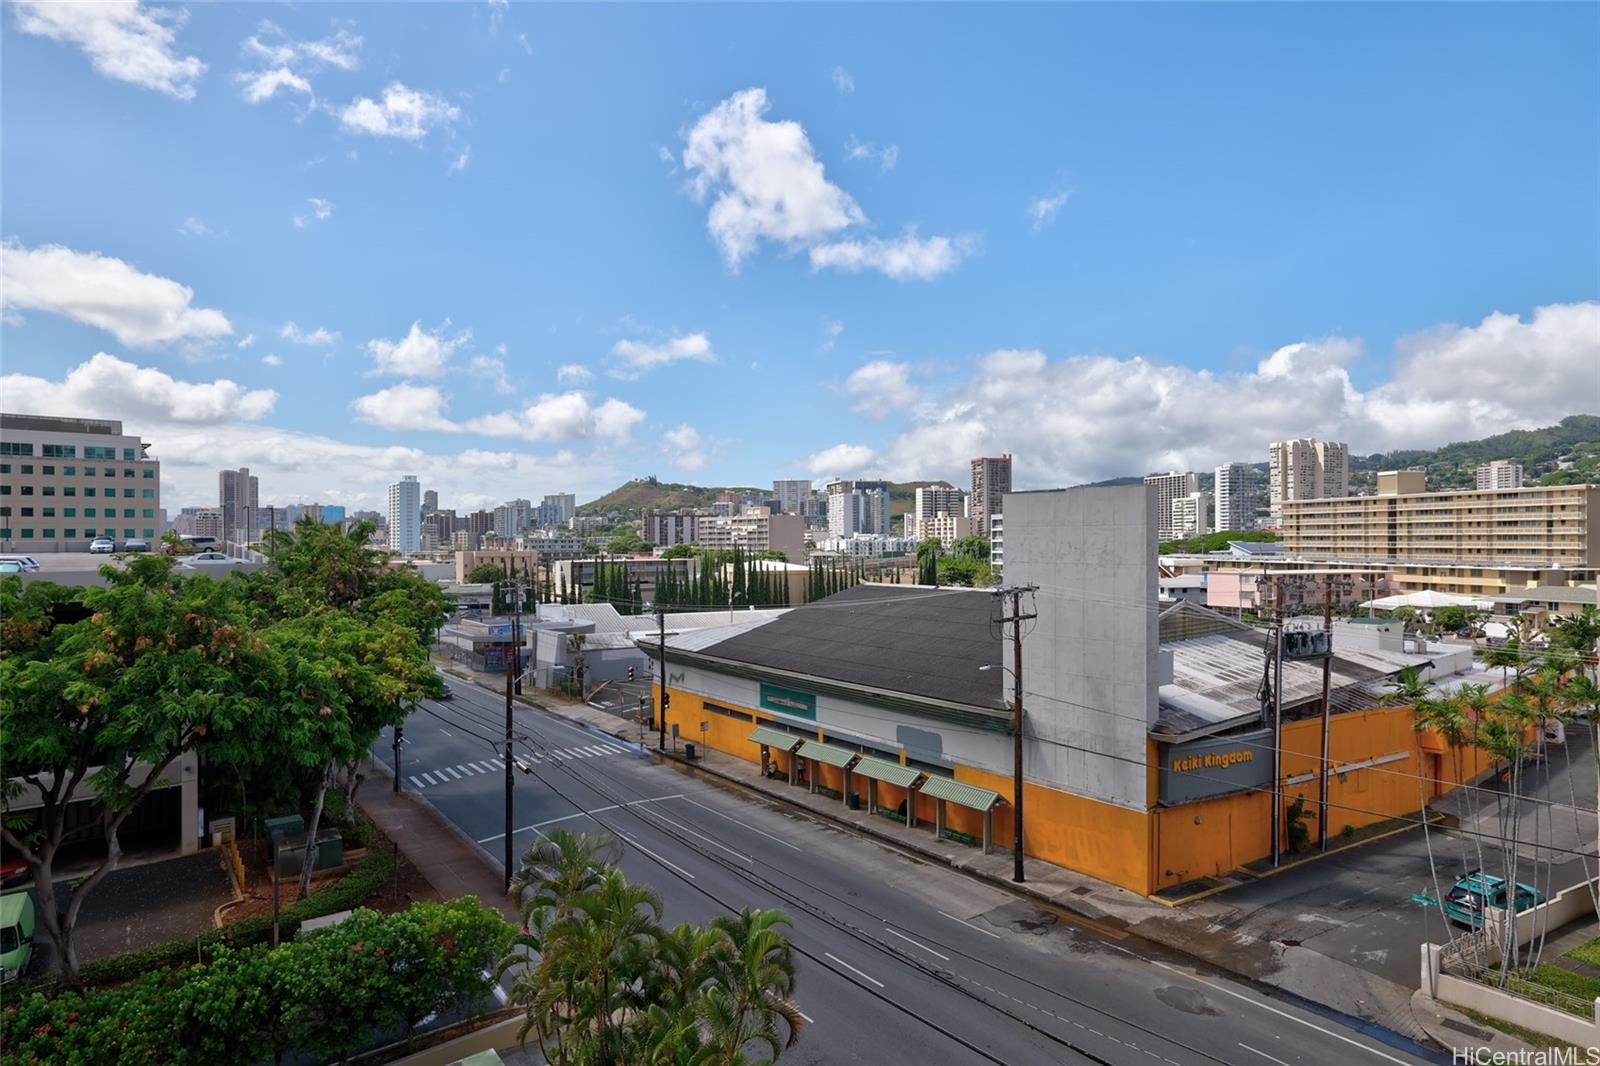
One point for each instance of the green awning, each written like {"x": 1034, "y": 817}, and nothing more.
{"x": 776, "y": 738}
{"x": 826, "y": 753}
{"x": 883, "y": 770}
{"x": 948, "y": 788}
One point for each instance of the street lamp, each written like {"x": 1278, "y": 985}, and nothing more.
{"x": 1016, "y": 780}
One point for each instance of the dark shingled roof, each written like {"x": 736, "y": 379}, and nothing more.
{"x": 921, "y": 641}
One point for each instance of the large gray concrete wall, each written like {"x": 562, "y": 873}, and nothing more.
{"x": 1089, "y": 659}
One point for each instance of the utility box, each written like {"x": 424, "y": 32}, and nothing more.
{"x": 279, "y": 828}
{"x": 290, "y": 855}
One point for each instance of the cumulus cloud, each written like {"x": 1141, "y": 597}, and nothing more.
{"x": 843, "y": 81}
{"x": 901, "y": 258}
{"x": 405, "y": 407}
{"x": 193, "y": 227}
{"x": 316, "y": 338}
{"x": 767, "y": 181}
{"x": 841, "y": 459}
{"x": 831, "y": 332}
{"x": 573, "y": 374}
{"x": 271, "y": 360}
{"x": 635, "y": 357}
{"x": 246, "y": 341}
{"x": 886, "y": 157}
{"x": 408, "y": 114}
{"x": 684, "y": 445}
{"x": 1091, "y": 417}
{"x": 282, "y": 63}
{"x": 138, "y": 309}
{"x": 108, "y": 387}
{"x": 124, "y": 40}
{"x": 492, "y": 369}
{"x": 1043, "y": 209}
{"x": 881, "y": 388}
{"x": 420, "y": 353}
{"x": 564, "y": 416}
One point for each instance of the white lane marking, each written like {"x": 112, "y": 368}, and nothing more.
{"x": 595, "y": 749}
{"x": 614, "y": 750}
{"x": 806, "y": 1016}
{"x": 1264, "y": 1055}
{"x": 429, "y": 779}
{"x": 596, "y": 706}
{"x": 669, "y": 864}
{"x": 852, "y": 969}
{"x": 446, "y": 732}
{"x": 558, "y": 753}
{"x": 747, "y": 825}
{"x": 498, "y": 764}
{"x": 419, "y": 784}
{"x": 464, "y": 771}
{"x": 702, "y": 836}
{"x": 1279, "y": 1013}
{"x": 895, "y": 932}
{"x": 537, "y": 826}
{"x": 449, "y": 771}
{"x": 481, "y": 769}
{"x": 969, "y": 925}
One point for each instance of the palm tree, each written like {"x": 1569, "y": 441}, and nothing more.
{"x": 1507, "y": 656}
{"x": 1580, "y": 632}
{"x": 752, "y": 996}
{"x": 1407, "y": 688}
{"x": 562, "y": 866}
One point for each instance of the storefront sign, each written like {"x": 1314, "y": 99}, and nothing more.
{"x": 1214, "y": 767}
{"x": 788, "y": 701}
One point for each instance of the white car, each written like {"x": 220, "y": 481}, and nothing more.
{"x": 26, "y": 564}
{"x": 209, "y": 559}
{"x": 102, "y": 546}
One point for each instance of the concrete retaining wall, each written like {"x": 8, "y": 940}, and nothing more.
{"x": 1506, "y": 1007}
{"x": 501, "y": 1036}
{"x": 1568, "y": 905}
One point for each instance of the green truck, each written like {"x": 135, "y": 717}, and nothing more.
{"x": 16, "y": 934}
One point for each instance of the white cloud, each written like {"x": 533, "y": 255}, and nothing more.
{"x": 124, "y": 40}
{"x": 284, "y": 63}
{"x": 830, "y": 335}
{"x": 420, "y": 353}
{"x": 460, "y": 162}
{"x": 841, "y": 459}
{"x": 1086, "y": 418}
{"x": 405, "y": 407}
{"x": 684, "y": 445}
{"x": 573, "y": 374}
{"x": 262, "y": 85}
{"x": 901, "y": 258}
{"x": 561, "y": 417}
{"x": 408, "y": 114}
{"x": 138, "y": 309}
{"x": 527, "y": 45}
{"x": 768, "y": 182}
{"x": 639, "y": 356}
{"x": 193, "y": 227}
{"x": 1043, "y": 210}
{"x": 271, "y": 360}
{"x": 843, "y": 81}
{"x": 106, "y": 386}
{"x": 497, "y": 13}
{"x": 317, "y": 338}
{"x": 246, "y": 341}
{"x": 321, "y": 210}
{"x": 493, "y": 370}
{"x": 886, "y": 157}
{"x": 881, "y": 388}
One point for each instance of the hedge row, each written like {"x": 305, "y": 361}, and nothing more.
{"x": 369, "y": 874}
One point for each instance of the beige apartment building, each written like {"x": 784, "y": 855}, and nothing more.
{"x": 1306, "y": 469}
{"x": 754, "y": 531}
{"x": 1484, "y": 542}
{"x": 66, "y": 481}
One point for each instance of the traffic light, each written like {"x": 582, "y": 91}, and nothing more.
{"x": 666, "y": 699}
{"x": 630, "y": 673}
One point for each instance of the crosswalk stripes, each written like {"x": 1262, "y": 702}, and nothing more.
{"x": 446, "y": 774}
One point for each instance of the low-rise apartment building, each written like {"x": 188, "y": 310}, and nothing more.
{"x": 66, "y": 481}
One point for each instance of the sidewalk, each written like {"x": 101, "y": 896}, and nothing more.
{"x": 451, "y": 863}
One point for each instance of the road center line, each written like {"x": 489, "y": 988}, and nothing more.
{"x": 747, "y": 825}
{"x": 1280, "y": 1013}
{"x": 806, "y": 1016}
{"x": 663, "y": 861}
{"x": 446, "y": 732}
{"x": 537, "y": 826}
{"x": 852, "y": 969}
{"x": 702, "y": 836}
{"x": 895, "y": 932}
{"x": 1264, "y": 1055}
{"x": 969, "y": 925}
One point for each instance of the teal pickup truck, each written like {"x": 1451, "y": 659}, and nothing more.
{"x": 16, "y": 934}
{"x": 1476, "y": 892}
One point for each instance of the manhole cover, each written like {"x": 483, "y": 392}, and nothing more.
{"x": 1189, "y": 1000}
{"x": 1466, "y": 1027}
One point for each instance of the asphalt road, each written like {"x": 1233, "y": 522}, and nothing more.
{"x": 902, "y": 961}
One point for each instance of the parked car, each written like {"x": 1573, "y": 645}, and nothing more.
{"x": 102, "y": 546}
{"x": 14, "y": 872}
{"x": 9, "y": 567}
{"x": 16, "y": 934}
{"x": 136, "y": 546}
{"x": 208, "y": 559}
{"x": 1474, "y": 893}
{"x": 28, "y": 563}
{"x": 198, "y": 541}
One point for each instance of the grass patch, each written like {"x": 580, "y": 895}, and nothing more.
{"x": 1589, "y": 952}
{"x": 1527, "y": 1036}
{"x": 1574, "y": 984}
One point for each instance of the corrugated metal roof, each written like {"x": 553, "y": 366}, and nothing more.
{"x": 776, "y": 738}
{"x": 948, "y": 788}
{"x": 825, "y": 753}
{"x": 884, "y": 770}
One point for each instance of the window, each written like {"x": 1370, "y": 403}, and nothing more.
{"x": 741, "y": 715}
{"x": 149, "y": 512}
{"x": 49, "y": 490}
{"x": 5, "y": 531}
{"x": 109, "y": 471}
{"x": 88, "y": 512}
{"x": 48, "y": 534}
{"x": 149, "y": 494}
{"x": 27, "y": 490}
{"x": 59, "y": 451}
{"x": 128, "y": 456}
{"x": 97, "y": 453}
{"x": 127, "y": 532}
{"x": 27, "y": 468}
{"x": 69, "y": 471}
{"x": 69, "y": 534}
{"x": 127, "y": 471}
{"x": 149, "y": 473}
{"x": 88, "y": 490}
{"x": 149, "y": 533}
{"x": 47, "y": 470}
{"x": 5, "y": 468}
{"x": 11, "y": 447}
{"x": 27, "y": 512}
{"x": 49, "y": 512}
{"x": 5, "y": 490}
{"x": 69, "y": 490}
{"x": 128, "y": 513}
{"x": 5, "y": 512}
{"x": 127, "y": 493}
{"x": 27, "y": 534}
{"x": 69, "y": 512}
{"x": 88, "y": 531}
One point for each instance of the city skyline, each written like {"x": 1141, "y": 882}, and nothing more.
{"x": 808, "y": 216}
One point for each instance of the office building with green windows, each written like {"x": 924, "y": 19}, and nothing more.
{"x": 66, "y": 481}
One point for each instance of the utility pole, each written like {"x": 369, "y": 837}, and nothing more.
{"x": 399, "y": 734}
{"x": 1016, "y": 618}
{"x": 513, "y": 665}
{"x": 1327, "y": 714}
{"x": 1277, "y": 724}
{"x": 661, "y": 621}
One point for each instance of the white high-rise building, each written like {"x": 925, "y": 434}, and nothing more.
{"x": 558, "y": 508}
{"x": 934, "y": 502}
{"x": 238, "y": 497}
{"x": 792, "y": 495}
{"x": 1306, "y": 469}
{"x": 405, "y": 515}
{"x": 1191, "y": 516}
{"x": 1236, "y": 488}
{"x": 1170, "y": 487}
{"x": 991, "y": 480}
{"x": 1500, "y": 474}
{"x": 512, "y": 517}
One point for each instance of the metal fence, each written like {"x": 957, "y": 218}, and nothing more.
{"x": 1475, "y": 957}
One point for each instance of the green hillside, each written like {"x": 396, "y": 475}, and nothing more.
{"x": 1576, "y": 439}
{"x": 648, "y": 494}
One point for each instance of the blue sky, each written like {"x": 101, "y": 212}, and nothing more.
{"x": 550, "y": 248}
